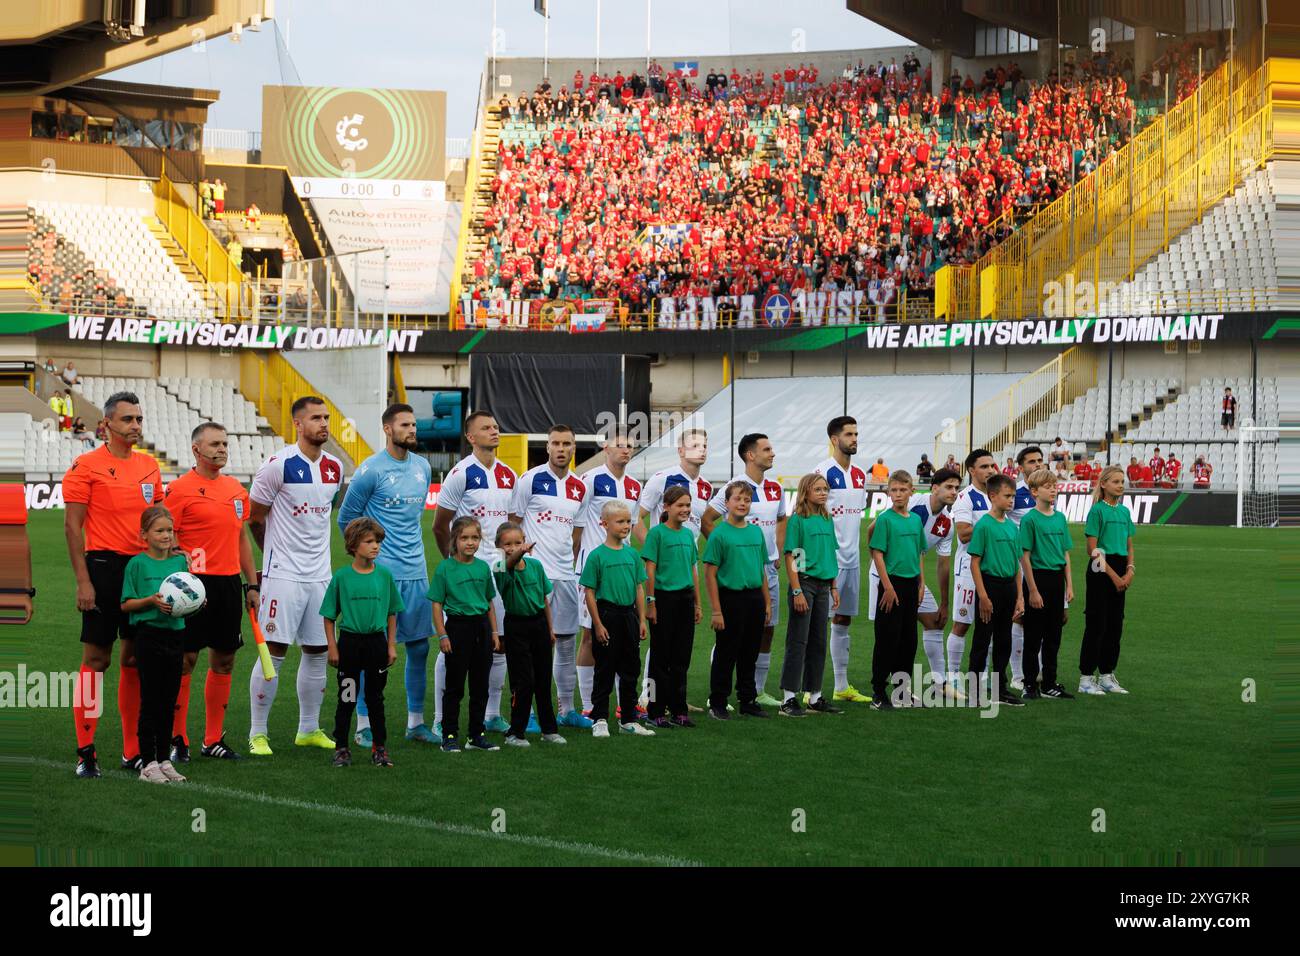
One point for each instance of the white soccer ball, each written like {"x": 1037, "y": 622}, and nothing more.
{"x": 184, "y": 592}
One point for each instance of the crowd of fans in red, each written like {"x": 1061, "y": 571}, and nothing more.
{"x": 866, "y": 180}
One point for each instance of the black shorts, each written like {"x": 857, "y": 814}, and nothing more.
{"x": 219, "y": 623}
{"x": 106, "y": 623}
{"x": 1227, "y": 419}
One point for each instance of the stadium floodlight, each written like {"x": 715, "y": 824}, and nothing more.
{"x": 255, "y": 23}
{"x": 236, "y": 32}
{"x": 137, "y": 18}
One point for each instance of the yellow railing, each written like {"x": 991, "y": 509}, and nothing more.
{"x": 1132, "y": 206}
{"x": 467, "y": 212}
{"x": 232, "y": 292}
{"x": 1002, "y": 419}
{"x": 399, "y": 383}
{"x": 273, "y": 385}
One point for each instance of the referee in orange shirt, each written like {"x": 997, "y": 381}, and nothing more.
{"x": 105, "y": 492}
{"x": 210, "y": 511}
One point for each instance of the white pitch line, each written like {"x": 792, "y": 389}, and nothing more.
{"x": 361, "y": 813}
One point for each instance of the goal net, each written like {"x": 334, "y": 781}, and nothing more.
{"x": 1268, "y": 473}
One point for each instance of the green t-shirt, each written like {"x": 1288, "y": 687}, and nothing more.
{"x": 815, "y": 536}
{"x": 613, "y": 574}
{"x": 1046, "y": 538}
{"x": 359, "y": 602}
{"x": 996, "y": 543}
{"x": 674, "y": 554}
{"x": 462, "y": 589}
{"x": 740, "y": 555}
{"x": 901, "y": 538}
{"x": 523, "y": 590}
{"x": 1111, "y": 525}
{"x": 142, "y": 578}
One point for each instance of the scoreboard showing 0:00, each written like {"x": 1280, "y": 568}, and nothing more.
{"x": 408, "y": 190}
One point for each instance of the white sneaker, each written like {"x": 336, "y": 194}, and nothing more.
{"x": 1110, "y": 685}
{"x": 1088, "y": 685}
{"x": 513, "y": 741}
{"x": 553, "y": 739}
{"x": 638, "y": 730}
{"x": 152, "y": 773}
{"x": 171, "y": 773}
{"x": 1017, "y": 684}
{"x": 600, "y": 729}
{"x": 952, "y": 691}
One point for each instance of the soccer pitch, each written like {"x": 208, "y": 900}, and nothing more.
{"x": 1176, "y": 772}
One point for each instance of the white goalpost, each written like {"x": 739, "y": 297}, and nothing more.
{"x": 1265, "y": 468}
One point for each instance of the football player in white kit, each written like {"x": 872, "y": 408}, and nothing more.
{"x": 847, "y": 504}
{"x": 1030, "y": 460}
{"x": 934, "y": 508}
{"x": 604, "y": 483}
{"x": 481, "y": 487}
{"x": 547, "y": 499}
{"x": 692, "y": 453}
{"x": 768, "y": 512}
{"x": 292, "y": 494}
{"x": 971, "y": 504}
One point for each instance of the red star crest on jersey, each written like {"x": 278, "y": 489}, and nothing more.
{"x": 703, "y": 489}
{"x": 772, "y": 490}
{"x": 329, "y": 472}
{"x": 631, "y": 488}
{"x": 505, "y": 477}
{"x": 859, "y": 477}
{"x": 942, "y": 525}
{"x": 573, "y": 487}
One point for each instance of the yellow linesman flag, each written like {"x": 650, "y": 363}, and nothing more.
{"x": 942, "y": 291}
{"x": 988, "y": 291}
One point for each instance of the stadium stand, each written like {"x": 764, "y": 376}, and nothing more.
{"x": 863, "y": 178}
{"x": 122, "y": 252}
{"x": 1226, "y": 262}
{"x": 68, "y": 279}
{"x": 174, "y": 406}
{"x": 792, "y": 412}
{"x": 1085, "y": 420}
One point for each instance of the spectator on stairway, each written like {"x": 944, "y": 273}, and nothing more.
{"x": 69, "y": 374}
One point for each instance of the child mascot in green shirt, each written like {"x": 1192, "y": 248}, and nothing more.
{"x": 995, "y": 565}
{"x": 897, "y": 540}
{"x": 811, "y": 568}
{"x": 158, "y": 642}
{"x": 614, "y": 578}
{"x": 672, "y": 607}
{"x": 360, "y": 609}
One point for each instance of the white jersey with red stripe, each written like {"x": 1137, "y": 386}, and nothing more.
{"x": 847, "y": 503}
{"x": 602, "y": 487}
{"x": 480, "y": 491}
{"x": 766, "y": 508}
{"x": 299, "y": 492}
{"x": 652, "y": 495}
{"x": 970, "y": 506}
{"x": 1025, "y": 503}
{"x": 549, "y": 506}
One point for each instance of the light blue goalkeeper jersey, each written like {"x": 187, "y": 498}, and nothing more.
{"x": 393, "y": 493}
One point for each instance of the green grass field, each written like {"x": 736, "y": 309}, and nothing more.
{"x": 1178, "y": 767}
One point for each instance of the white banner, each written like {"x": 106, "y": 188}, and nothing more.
{"x": 420, "y": 237}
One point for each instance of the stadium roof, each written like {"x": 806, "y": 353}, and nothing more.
{"x": 51, "y": 44}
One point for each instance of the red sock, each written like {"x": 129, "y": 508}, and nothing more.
{"x": 216, "y": 695}
{"x": 128, "y": 705}
{"x": 181, "y": 712}
{"x": 87, "y": 705}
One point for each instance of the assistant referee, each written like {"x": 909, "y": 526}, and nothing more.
{"x": 210, "y": 511}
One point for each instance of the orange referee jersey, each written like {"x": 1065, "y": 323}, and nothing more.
{"x": 209, "y": 514}
{"x": 115, "y": 492}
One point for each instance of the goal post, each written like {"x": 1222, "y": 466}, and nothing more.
{"x": 1264, "y": 471}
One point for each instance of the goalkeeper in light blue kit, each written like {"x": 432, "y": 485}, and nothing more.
{"x": 391, "y": 486}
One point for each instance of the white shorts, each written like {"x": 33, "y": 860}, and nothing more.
{"x": 849, "y": 583}
{"x": 928, "y": 604}
{"x": 963, "y": 597}
{"x": 774, "y": 593}
{"x": 564, "y": 607}
{"x": 289, "y": 611}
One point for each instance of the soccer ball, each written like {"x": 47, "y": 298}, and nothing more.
{"x": 184, "y": 592}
